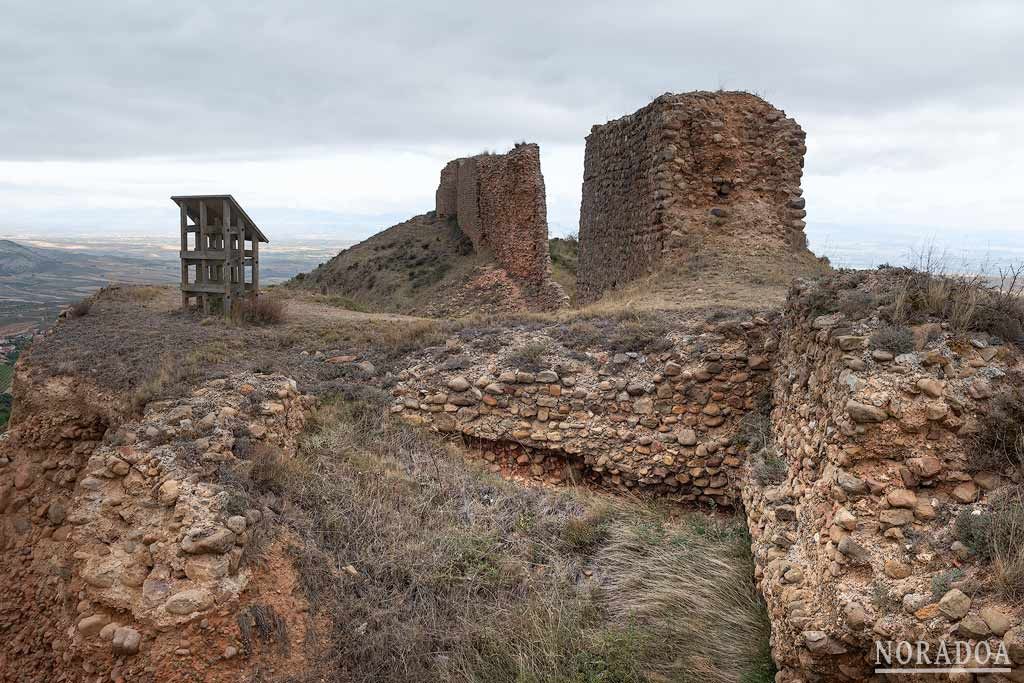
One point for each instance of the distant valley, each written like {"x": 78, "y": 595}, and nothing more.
{"x": 39, "y": 276}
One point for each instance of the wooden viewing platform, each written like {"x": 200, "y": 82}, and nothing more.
{"x": 220, "y": 253}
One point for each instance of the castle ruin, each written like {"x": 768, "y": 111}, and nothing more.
{"x": 498, "y": 201}
{"x": 702, "y": 167}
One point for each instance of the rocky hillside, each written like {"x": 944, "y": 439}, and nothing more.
{"x": 425, "y": 266}
{"x": 300, "y": 498}
{"x": 245, "y": 506}
{"x": 412, "y": 267}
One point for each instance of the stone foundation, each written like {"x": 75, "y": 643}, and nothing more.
{"x": 661, "y": 423}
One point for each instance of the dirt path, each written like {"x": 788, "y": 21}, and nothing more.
{"x": 303, "y": 309}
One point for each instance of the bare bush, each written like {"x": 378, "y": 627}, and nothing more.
{"x": 769, "y": 469}
{"x": 754, "y": 431}
{"x": 999, "y": 441}
{"x": 263, "y": 310}
{"x": 80, "y": 309}
{"x": 996, "y": 537}
{"x": 894, "y": 338}
{"x": 856, "y": 304}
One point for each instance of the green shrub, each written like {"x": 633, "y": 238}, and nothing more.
{"x": 943, "y": 582}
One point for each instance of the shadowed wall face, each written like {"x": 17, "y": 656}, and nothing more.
{"x": 499, "y": 202}
{"x": 698, "y": 168}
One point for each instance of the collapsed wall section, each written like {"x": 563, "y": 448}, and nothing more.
{"x": 714, "y": 168}
{"x": 498, "y": 201}
{"x": 663, "y": 422}
{"x": 124, "y": 553}
{"x": 864, "y": 534}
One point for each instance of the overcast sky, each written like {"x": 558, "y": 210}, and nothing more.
{"x": 339, "y": 115}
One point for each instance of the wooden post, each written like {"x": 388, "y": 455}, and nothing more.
{"x": 225, "y": 237}
{"x": 202, "y": 270}
{"x": 184, "y": 248}
{"x": 255, "y": 265}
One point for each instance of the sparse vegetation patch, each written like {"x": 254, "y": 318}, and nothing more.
{"x": 893, "y": 338}
{"x": 429, "y": 570}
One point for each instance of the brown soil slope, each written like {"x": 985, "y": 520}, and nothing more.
{"x": 424, "y": 266}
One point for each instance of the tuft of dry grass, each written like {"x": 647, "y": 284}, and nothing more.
{"x": 895, "y": 338}
{"x": 996, "y": 537}
{"x": 80, "y": 309}
{"x": 264, "y": 310}
{"x": 695, "y": 597}
{"x": 428, "y": 569}
{"x": 528, "y": 357}
{"x": 142, "y": 293}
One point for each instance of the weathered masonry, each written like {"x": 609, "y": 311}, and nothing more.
{"x": 219, "y": 243}
{"x": 717, "y": 170}
{"x": 498, "y": 201}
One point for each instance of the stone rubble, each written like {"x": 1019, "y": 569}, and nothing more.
{"x": 123, "y": 532}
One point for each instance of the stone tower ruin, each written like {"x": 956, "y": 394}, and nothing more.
{"x": 498, "y": 201}
{"x": 712, "y": 168}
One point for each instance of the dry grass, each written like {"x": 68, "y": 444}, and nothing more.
{"x": 141, "y": 293}
{"x": 996, "y": 537}
{"x": 894, "y": 338}
{"x": 694, "y": 597}
{"x": 264, "y": 310}
{"x": 428, "y": 570}
{"x": 966, "y": 302}
{"x": 529, "y": 356}
{"x": 175, "y": 374}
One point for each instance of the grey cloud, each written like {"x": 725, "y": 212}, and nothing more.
{"x": 109, "y": 79}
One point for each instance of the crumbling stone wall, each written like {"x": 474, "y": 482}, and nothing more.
{"x": 699, "y": 168}
{"x": 447, "y": 195}
{"x": 498, "y": 201}
{"x": 662, "y": 423}
{"x": 123, "y": 554}
{"x": 858, "y": 542}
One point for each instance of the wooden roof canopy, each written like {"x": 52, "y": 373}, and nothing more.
{"x": 214, "y": 204}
